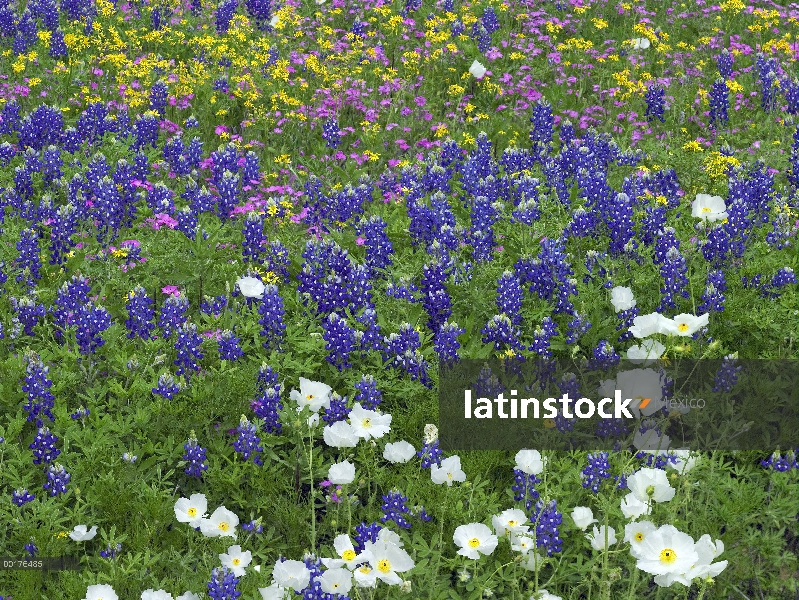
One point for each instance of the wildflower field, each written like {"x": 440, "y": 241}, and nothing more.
{"x": 241, "y": 244}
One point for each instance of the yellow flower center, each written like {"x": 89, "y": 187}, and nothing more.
{"x": 449, "y": 475}
{"x": 367, "y": 423}
{"x": 705, "y": 209}
{"x": 192, "y": 512}
{"x": 474, "y": 542}
{"x": 335, "y": 585}
{"x": 639, "y": 537}
{"x": 683, "y": 326}
{"x": 224, "y": 526}
{"x": 236, "y": 562}
{"x": 309, "y": 397}
{"x": 512, "y": 523}
{"x": 650, "y": 490}
{"x": 364, "y": 569}
{"x": 384, "y": 566}
{"x": 668, "y": 556}
{"x": 348, "y": 554}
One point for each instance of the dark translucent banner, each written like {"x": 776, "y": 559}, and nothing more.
{"x": 700, "y": 405}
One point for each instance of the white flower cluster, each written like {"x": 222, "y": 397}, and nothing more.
{"x": 382, "y": 560}
{"x": 669, "y": 554}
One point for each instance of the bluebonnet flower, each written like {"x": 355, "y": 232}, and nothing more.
{"x": 278, "y": 259}
{"x": 675, "y": 282}
{"x": 545, "y": 332}
{"x": 430, "y": 453}
{"x": 23, "y": 496}
{"x": 92, "y": 321}
{"x": 481, "y": 235}
{"x": 43, "y": 447}
{"x": 253, "y": 527}
{"x": 340, "y": 338}
{"x": 655, "y": 103}
{"x": 31, "y": 548}
{"x": 267, "y": 406}
{"x": 224, "y": 15}
{"x": 394, "y": 509}
{"x": 719, "y": 103}
{"x": 780, "y": 463}
{"x": 194, "y": 456}
{"x": 791, "y": 88}
{"x": 365, "y": 533}
{"x": 490, "y": 21}
{"x": 37, "y": 386}
{"x": 57, "y": 480}
{"x": 145, "y": 131}
{"x": 251, "y": 171}
{"x": 223, "y": 584}
{"x": 140, "y": 314}
{"x": 446, "y": 343}
{"x": 481, "y": 37}
{"x": 656, "y": 461}
{"x": 713, "y": 297}
{"x": 29, "y": 312}
{"x": 724, "y": 63}
{"x": 626, "y": 320}
{"x": 70, "y": 297}
{"x": 248, "y": 441}
{"x": 605, "y": 356}
{"x": 782, "y": 278}
{"x": 367, "y": 393}
{"x": 370, "y": 339}
{"x": 543, "y": 127}
{"x": 267, "y": 378}
{"x": 578, "y": 326}
{"x": 717, "y": 246}
{"x": 611, "y": 428}
{"x": 28, "y": 260}
{"x": 228, "y": 189}
{"x": 63, "y": 228}
{"x": 524, "y": 489}
{"x": 166, "y": 386}
{"x": 509, "y": 296}
{"x": 187, "y": 222}
{"x": 779, "y": 236}
{"x": 330, "y": 133}
{"x": 81, "y": 414}
{"x": 158, "y": 98}
{"x": 502, "y": 333}
{"x": 582, "y": 224}
{"x": 254, "y": 237}
{"x": 229, "y": 346}
{"x": 768, "y": 90}
{"x": 378, "y": 245}
{"x": 213, "y": 306}
{"x": 596, "y": 471}
{"x": 190, "y": 122}
{"x": 547, "y": 522}
{"x": 272, "y": 312}
{"x": 111, "y": 551}
{"x": 337, "y": 411}
{"x": 41, "y": 128}
{"x": 173, "y": 314}
{"x": 435, "y": 298}
{"x": 188, "y": 349}
{"x": 727, "y": 374}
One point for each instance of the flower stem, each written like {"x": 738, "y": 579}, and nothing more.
{"x": 313, "y": 491}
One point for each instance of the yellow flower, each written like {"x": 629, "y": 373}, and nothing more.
{"x": 692, "y": 146}
{"x": 599, "y": 23}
